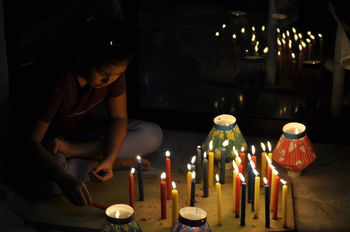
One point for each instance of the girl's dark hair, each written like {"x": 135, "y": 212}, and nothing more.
{"x": 104, "y": 40}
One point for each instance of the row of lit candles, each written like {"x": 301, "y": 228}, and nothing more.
{"x": 269, "y": 174}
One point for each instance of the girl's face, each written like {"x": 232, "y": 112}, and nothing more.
{"x": 101, "y": 76}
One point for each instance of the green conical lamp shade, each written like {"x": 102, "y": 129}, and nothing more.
{"x": 225, "y": 128}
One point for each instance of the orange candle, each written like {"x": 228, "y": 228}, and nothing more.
{"x": 168, "y": 175}
{"x": 263, "y": 162}
{"x": 163, "y": 195}
{"x": 238, "y": 195}
{"x": 275, "y": 199}
{"x": 131, "y": 188}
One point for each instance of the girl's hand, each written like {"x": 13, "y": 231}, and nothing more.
{"x": 102, "y": 172}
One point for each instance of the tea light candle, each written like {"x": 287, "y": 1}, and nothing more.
{"x": 210, "y": 165}
{"x": 131, "y": 188}
{"x": 189, "y": 181}
{"x": 175, "y": 203}
{"x": 119, "y": 214}
{"x": 140, "y": 178}
{"x": 218, "y": 198}
{"x": 267, "y": 204}
{"x": 256, "y": 194}
{"x": 243, "y": 201}
{"x": 205, "y": 175}
{"x": 163, "y": 195}
{"x": 284, "y": 202}
{"x": 193, "y": 189}
{"x": 168, "y": 174}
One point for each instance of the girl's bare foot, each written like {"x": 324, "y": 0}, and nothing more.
{"x": 129, "y": 163}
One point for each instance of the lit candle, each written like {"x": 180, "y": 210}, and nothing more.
{"x": 256, "y": 194}
{"x": 238, "y": 195}
{"x": 267, "y": 204}
{"x": 243, "y": 203}
{"x": 218, "y": 198}
{"x": 193, "y": 189}
{"x": 193, "y": 161}
{"x": 131, "y": 188}
{"x": 163, "y": 195}
{"x": 210, "y": 165}
{"x": 199, "y": 165}
{"x": 168, "y": 174}
{"x": 217, "y": 34}
{"x": 270, "y": 150}
{"x": 205, "y": 175}
{"x": 253, "y": 155}
{"x": 321, "y": 45}
{"x": 275, "y": 198}
{"x": 235, "y": 174}
{"x": 175, "y": 201}
{"x": 284, "y": 203}
{"x": 223, "y": 162}
{"x": 269, "y": 169}
{"x": 263, "y": 162}
{"x": 189, "y": 181}
{"x": 273, "y": 184}
{"x": 242, "y": 155}
{"x": 140, "y": 178}
{"x": 252, "y": 183}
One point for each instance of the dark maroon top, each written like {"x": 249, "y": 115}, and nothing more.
{"x": 68, "y": 103}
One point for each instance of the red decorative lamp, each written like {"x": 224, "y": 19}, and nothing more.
{"x": 294, "y": 150}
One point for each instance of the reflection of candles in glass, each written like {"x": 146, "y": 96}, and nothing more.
{"x": 140, "y": 178}
{"x": 163, "y": 195}
{"x": 175, "y": 203}
{"x": 205, "y": 175}
{"x": 168, "y": 174}
{"x": 210, "y": 165}
{"x": 223, "y": 161}
{"x": 267, "y": 204}
{"x": 189, "y": 181}
{"x": 193, "y": 189}
{"x": 309, "y": 48}
{"x": 256, "y": 194}
{"x": 131, "y": 188}
{"x": 217, "y": 34}
{"x": 263, "y": 162}
{"x": 218, "y": 198}
{"x": 284, "y": 202}
{"x": 243, "y": 201}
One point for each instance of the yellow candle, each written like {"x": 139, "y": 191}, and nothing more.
{"x": 210, "y": 165}
{"x": 189, "y": 182}
{"x": 263, "y": 163}
{"x": 272, "y": 196}
{"x": 235, "y": 173}
{"x": 284, "y": 202}
{"x": 175, "y": 199}
{"x": 256, "y": 194}
{"x": 270, "y": 150}
{"x": 218, "y": 198}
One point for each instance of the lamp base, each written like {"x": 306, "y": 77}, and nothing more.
{"x": 292, "y": 174}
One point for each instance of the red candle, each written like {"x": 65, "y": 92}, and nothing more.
{"x": 168, "y": 175}
{"x": 254, "y": 159}
{"x": 275, "y": 200}
{"x": 238, "y": 195}
{"x": 269, "y": 170}
{"x": 240, "y": 168}
{"x": 131, "y": 188}
{"x": 163, "y": 195}
{"x": 242, "y": 155}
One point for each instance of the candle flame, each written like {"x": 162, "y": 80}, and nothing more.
{"x": 225, "y": 143}
{"x": 253, "y": 149}
{"x": 117, "y": 214}
{"x": 243, "y": 30}
{"x": 294, "y": 30}
{"x": 223, "y": 26}
{"x": 217, "y": 178}
{"x": 211, "y": 145}
{"x": 263, "y": 146}
{"x": 239, "y": 159}
{"x": 269, "y": 146}
{"x": 268, "y": 159}
{"x": 217, "y": 34}
{"x": 256, "y": 173}
{"x": 308, "y": 40}
{"x": 283, "y": 181}
{"x": 252, "y": 164}
{"x": 253, "y": 28}
{"x": 193, "y": 159}
{"x": 265, "y": 180}
{"x": 287, "y": 33}
{"x": 167, "y": 154}
{"x": 253, "y": 38}
{"x": 189, "y": 167}
{"x": 242, "y": 149}
{"x": 296, "y": 131}
{"x": 303, "y": 44}
{"x": 300, "y": 47}
{"x": 132, "y": 171}
{"x": 292, "y": 55}
{"x": 249, "y": 156}
{"x": 319, "y": 35}
{"x": 274, "y": 170}
{"x": 279, "y": 43}
{"x": 266, "y": 50}
{"x": 296, "y": 37}
{"x": 300, "y": 35}
{"x": 308, "y": 32}
{"x": 173, "y": 184}
{"x": 241, "y": 177}
{"x": 193, "y": 175}
{"x": 163, "y": 176}
{"x": 235, "y": 167}
{"x": 278, "y": 30}
{"x": 234, "y": 36}
{"x": 256, "y": 48}
{"x": 312, "y": 36}
{"x": 205, "y": 155}
{"x": 262, "y": 28}
{"x": 138, "y": 157}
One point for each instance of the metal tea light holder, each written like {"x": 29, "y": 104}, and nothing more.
{"x": 191, "y": 219}
{"x": 120, "y": 218}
